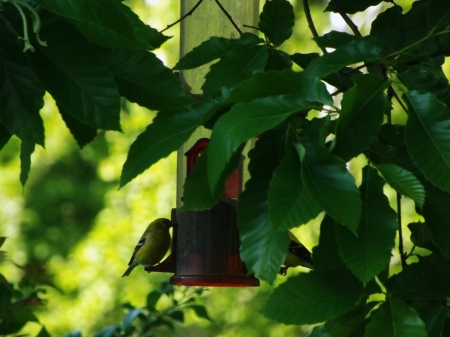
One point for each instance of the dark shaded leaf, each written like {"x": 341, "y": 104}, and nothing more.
{"x": 165, "y": 135}
{"x": 110, "y": 24}
{"x": 395, "y": 319}
{"x": 438, "y": 14}
{"x": 82, "y": 133}
{"x": 386, "y": 28}
{"x": 152, "y": 298}
{"x": 420, "y": 236}
{"x": 289, "y": 203}
{"x": 434, "y": 317}
{"x": 238, "y": 125}
{"x": 427, "y": 137}
{"x": 361, "y": 116}
{"x": 334, "y": 39}
{"x": 26, "y": 150}
{"x": 276, "y": 21}
{"x": 4, "y": 136}
{"x": 239, "y": 64}
{"x": 200, "y": 311}
{"x": 263, "y": 250}
{"x": 368, "y": 253}
{"x": 331, "y": 186}
{"x": 303, "y": 60}
{"x": 21, "y": 94}
{"x": 351, "y": 7}
{"x": 278, "y": 60}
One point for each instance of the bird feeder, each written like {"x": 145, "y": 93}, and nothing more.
{"x": 205, "y": 246}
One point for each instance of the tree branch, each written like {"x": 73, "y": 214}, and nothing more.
{"x": 192, "y": 10}
{"x": 346, "y": 18}
{"x": 228, "y": 16}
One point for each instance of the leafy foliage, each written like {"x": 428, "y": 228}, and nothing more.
{"x": 307, "y": 136}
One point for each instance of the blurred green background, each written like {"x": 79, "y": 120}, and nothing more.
{"x": 72, "y": 215}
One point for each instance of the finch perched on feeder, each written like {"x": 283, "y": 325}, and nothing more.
{"x": 152, "y": 246}
{"x": 297, "y": 255}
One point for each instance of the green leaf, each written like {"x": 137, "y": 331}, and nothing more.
{"x": 200, "y": 311}
{"x": 364, "y": 49}
{"x": 427, "y": 137}
{"x": 239, "y": 64}
{"x": 404, "y": 182}
{"x": 165, "y": 135}
{"x": 75, "y": 74}
{"x": 82, "y": 133}
{"x": 437, "y": 217}
{"x": 334, "y": 39}
{"x": 26, "y": 150}
{"x": 107, "y": 23}
{"x": 278, "y": 60}
{"x": 395, "y": 319}
{"x": 314, "y": 297}
{"x": 197, "y": 180}
{"x": 289, "y": 203}
{"x": 386, "y": 28}
{"x": 438, "y": 14}
{"x": 152, "y": 298}
{"x": 130, "y": 317}
{"x": 276, "y": 21}
{"x": 21, "y": 95}
{"x": 331, "y": 186}
{"x": 434, "y": 317}
{"x": 43, "y": 333}
{"x": 361, "y": 116}
{"x": 263, "y": 250}
{"x": 143, "y": 78}
{"x": 214, "y": 48}
{"x": 351, "y": 7}
{"x": 303, "y": 60}
{"x": 428, "y": 278}
{"x": 111, "y": 331}
{"x": 239, "y": 124}
{"x": 4, "y": 136}
{"x": 368, "y": 253}
{"x": 420, "y": 236}
{"x": 286, "y": 82}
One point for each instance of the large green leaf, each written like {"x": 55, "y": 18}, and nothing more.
{"x": 437, "y": 216}
{"x": 427, "y": 137}
{"x": 82, "y": 133}
{"x": 263, "y": 250}
{"x": 368, "y": 253}
{"x": 289, "y": 203}
{"x": 434, "y": 317}
{"x": 21, "y": 95}
{"x": 76, "y": 75}
{"x": 428, "y": 278}
{"x": 364, "y": 49}
{"x": 386, "y": 28}
{"x": 26, "y": 150}
{"x": 212, "y": 49}
{"x": 143, "y": 78}
{"x": 351, "y": 6}
{"x": 197, "y": 195}
{"x": 314, "y": 297}
{"x": 361, "y": 116}
{"x": 4, "y": 136}
{"x": 395, "y": 319}
{"x": 239, "y": 64}
{"x": 107, "y": 23}
{"x": 331, "y": 186}
{"x": 244, "y": 121}
{"x": 276, "y": 21}
{"x": 334, "y": 39}
{"x": 439, "y": 14}
{"x": 165, "y": 135}
{"x": 404, "y": 182}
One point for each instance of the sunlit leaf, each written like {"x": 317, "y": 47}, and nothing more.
{"x": 427, "y": 137}
{"x": 368, "y": 253}
{"x": 276, "y": 21}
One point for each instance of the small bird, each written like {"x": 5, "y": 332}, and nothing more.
{"x": 152, "y": 246}
{"x": 297, "y": 255}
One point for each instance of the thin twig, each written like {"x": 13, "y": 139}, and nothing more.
{"x": 248, "y": 26}
{"x": 398, "y": 99}
{"x": 184, "y": 16}
{"x": 400, "y": 232}
{"x": 228, "y": 16}
{"x": 346, "y": 18}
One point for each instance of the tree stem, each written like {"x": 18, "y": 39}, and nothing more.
{"x": 192, "y": 10}
{"x": 400, "y": 231}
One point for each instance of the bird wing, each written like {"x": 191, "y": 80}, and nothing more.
{"x": 138, "y": 246}
{"x": 299, "y": 250}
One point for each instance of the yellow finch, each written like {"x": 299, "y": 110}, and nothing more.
{"x": 152, "y": 246}
{"x": 297, "y": 255}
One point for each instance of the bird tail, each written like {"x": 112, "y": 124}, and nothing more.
{"x": 130, "y": 269}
